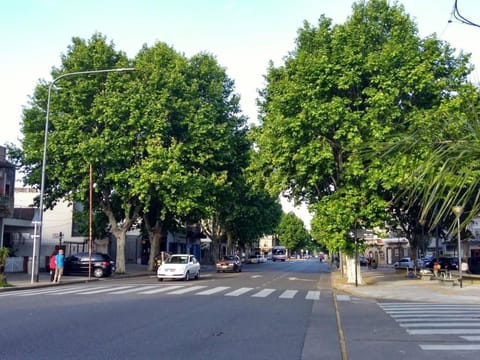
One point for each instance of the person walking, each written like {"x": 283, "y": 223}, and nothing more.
{"x": 59, "y": 263}
{"x": 52, "y": 265}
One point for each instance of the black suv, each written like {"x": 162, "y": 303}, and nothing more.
{"x": 446, "y": 263}
{"x": 102, "y": 264}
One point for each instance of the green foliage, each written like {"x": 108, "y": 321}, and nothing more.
{"x": 165, "y": 141}
{"x": 3, "y": 260}
{"x": 449, "y": 173}
{"x": 292, "y": 233}
{"x": 343, "y": 97}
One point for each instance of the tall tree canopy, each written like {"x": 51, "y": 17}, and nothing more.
{"x": 292, "y": 233}
{"x": 342, "y": 96}
{"x": 160, "y": 140}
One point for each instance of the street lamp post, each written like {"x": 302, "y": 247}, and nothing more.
{"x": 38, "y": 241}
{"x": 458, "y": 210}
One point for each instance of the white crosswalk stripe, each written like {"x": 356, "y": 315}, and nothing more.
{"x": 186, "y": 290}
{"x": 134, "y": 289}
{"x": 457, "y": 326}
{"x": 157, "y": 290}
{"x": 98, "y": 291}
{"x": 42, "y": 291}
{"x": 239, "y": 292}
{"x": 288, "y": 294}
{"x": 214, "y": 290}
{"x": 173, "y": 289}
{"x": 313, "y": 295}
{"x": 72, "y": 291}
{"x": 263, "y": 293}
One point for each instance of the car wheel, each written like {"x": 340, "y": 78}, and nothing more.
{"x": 160, "y": 279}
{"x": 197, "y": 276}
{"x": 98, "y": 272}
{"x": 239, "y": 269}
{"x": 187, "y": 276}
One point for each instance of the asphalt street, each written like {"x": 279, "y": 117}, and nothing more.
{"x": 382, "y": 283}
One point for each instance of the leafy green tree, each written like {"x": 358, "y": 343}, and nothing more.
{"x": 84, "y": 130}
{"x": 292, "y": 233}
{"x": 160, "y": 140}
{"x": 342, "y": 97}
{"x": 3, "y": 260}
{"x": 449, "y": 173}
{"x": 192, "y": 125}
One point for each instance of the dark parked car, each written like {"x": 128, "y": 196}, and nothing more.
{"x": 474, "y": 265}
{"x": 78, "y": 264}
{"x": 446, "y": 263}
{"x": 229, "y": 263}
{"x": 363, "y": 261}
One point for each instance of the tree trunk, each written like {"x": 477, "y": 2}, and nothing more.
{"x": 119, "y": 230}
{"x": 351, "y": 271}
{"x": 155, "y": 237}
{"x": 229, "y": 242}
{"x": 120, "y": 235}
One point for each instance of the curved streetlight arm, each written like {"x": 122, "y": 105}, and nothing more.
{"x": 37, "y": 243}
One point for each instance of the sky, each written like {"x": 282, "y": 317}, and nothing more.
{"x": 244, "y": 35}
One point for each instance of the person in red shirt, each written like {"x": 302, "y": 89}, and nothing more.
{"x": 52, "y": 265}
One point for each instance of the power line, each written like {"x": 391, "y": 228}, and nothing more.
{"x": 456, "y": 14}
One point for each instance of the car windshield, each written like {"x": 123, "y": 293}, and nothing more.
{"x": 229, "y": 258}
{"x": 178, "y": 260}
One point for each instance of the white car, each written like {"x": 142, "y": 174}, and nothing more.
{"x": 179, "y": 266}
{"x": 404, "y": 263}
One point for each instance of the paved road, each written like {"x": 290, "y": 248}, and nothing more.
{"x": 290, "y": 308}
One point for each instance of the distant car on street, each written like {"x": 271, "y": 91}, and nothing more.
{"x": 279, "y": 253}
{"x": 100, "y": 265}
{"x": 404, "y": 263}
{"x": 229, "y": 263}
{"x": 179, "y": 266}
{"x": 363, "y": 261}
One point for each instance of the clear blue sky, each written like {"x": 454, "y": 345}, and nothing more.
{"x": 243, "y": 34}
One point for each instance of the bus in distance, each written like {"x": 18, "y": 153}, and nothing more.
{"x": 279, "y": 253}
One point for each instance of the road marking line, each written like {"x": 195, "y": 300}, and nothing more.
{"x": 313, "y": 295}
{"x": 186, "y": 290}
{"x": 443, "y": 331}
{"x": 133, "y": 289}
{"x": 436, "y": 325}
{"x": 263, "y": 293}
{"x": 343, "y": 297}
{"x": 288, "y": 294}
{"x": 239, "y": 292}
{"x": 161, "y": 289}
{"x": 454, "y": 347}
{"x": 72, "y": 291}
{"x": 418, "y": 317}
{"x": 214, "y": 290}
{"x": 48, "y": 291}
{"x": 98, "y": 291}
{"x": 471, "y": 338}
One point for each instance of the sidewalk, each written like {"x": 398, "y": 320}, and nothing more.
{"x": 386, "y": 284}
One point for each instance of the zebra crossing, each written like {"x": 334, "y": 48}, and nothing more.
{"x": 174, "y": 289}
{"x": 455, "y": 327}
